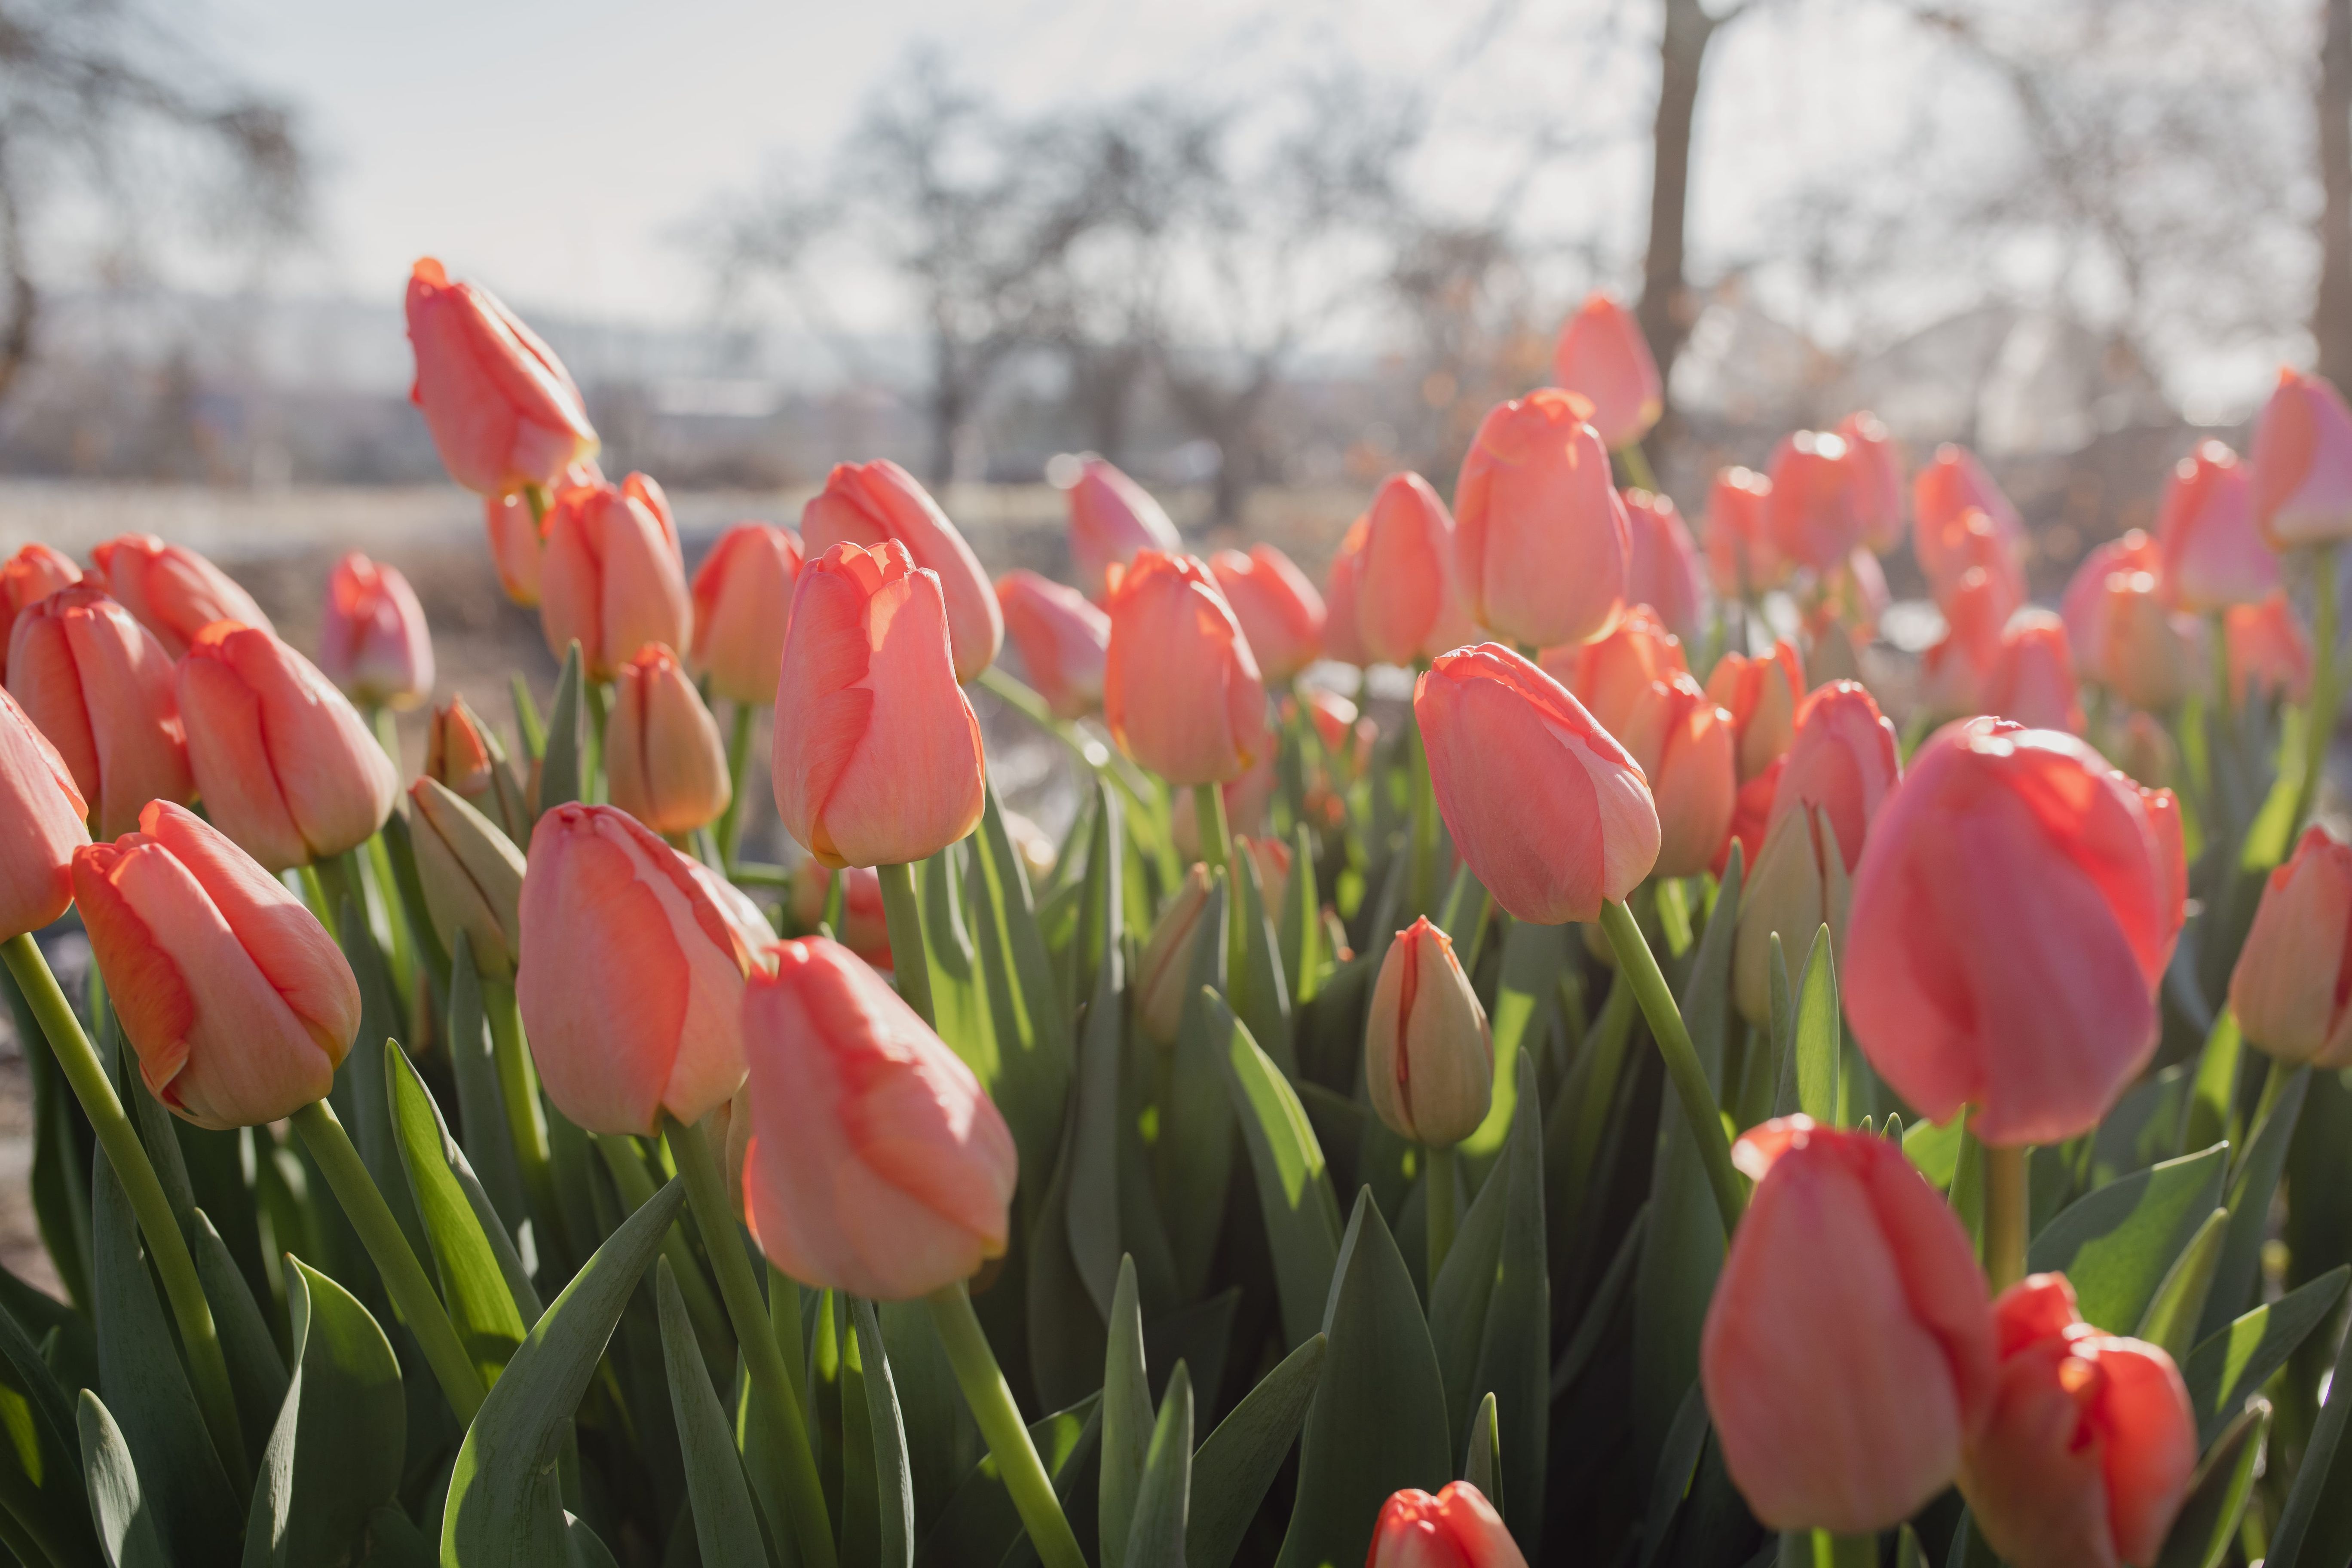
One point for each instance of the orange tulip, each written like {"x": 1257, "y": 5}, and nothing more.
{"x": 27, "y": 577}
{"x": 1113, "y": 519}
{"x": 1540, "y": 533}
{"x": 1550, "y": 813}
{"x": 2013, "y": 913}
{"x": 1847, "y": 1356}
{"x": 518, "y": 540}
{"x": 171, "y": 590}
{"x": 1408, "y": 603}
{"x": 864, "y": 924}
{"x": 1063, "y": 640}
{"x": 2303, "y": 463}
{"x": 237, "y": 1002}
{"x": 43, "y": 820}
{"x": 463, "y": 755}
{"x": 630, "y": 977}
{"x": 1661, "y": 571}
{"x": 100, "y": 687}
{"x": 1280, "y": 611}
{"x": 1878, "y": 479}
{"x": 1429, "y": 1057}
{"x": 287, "y": 767}
{"x": 2268, "y": 651}
{"x": 373, "y": 639}
{"x": 877, "y": 757}
{"x": 1615, "y": 676}
{"x": 2032, "y": 680}
{"x": 1953, "y": 485}
{"x": 1761, "y": 696}
{"x": 1740, "y": 554}
{"x": 1686, "y": 752}
{"x": 1181, "y": 691}
{"x": 871, "y": 503}
{"x": 2213, "y": 555}
{"x": 502, "y": 409}
{"x": 2090, "y": 1442}
{"x": 1458, "y": 1528}
{"x": 2292, "y": 990}
{"x": 1602, "y": 357}
{"x": 877, "y": 1166}
{"x": 1974, "y": 560}
{"x": 1343, "y": 639}
{"x": 1844, "y": 760}
{"x": 1817, "y": 511}
{"x": 612, "y": 577}
{"x": 742, "y": 602}
{"x": 663, "y": 757}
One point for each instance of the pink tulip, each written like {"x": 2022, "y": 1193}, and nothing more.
{"x": 1844, "y": 759}
{"x": 2268, "y": 651}
{"x": 1342, "y": 637}
{"x": 2147, "y": 652}
{"x": 1615, "y": 675}
{"x": 1685, "y": 745}
{"x": 1761, "y": 695}
{"x": 1750, "y": 809}
{"x": 2292, "y": 990}
{"x": 1247, "y": 799}
{"x": 27, "y": 577}
{"x": 1740, "y": 554}
{"x": 2032, "y": 680}
{"x": 2084, "y": 606}
{"x": 517, "y": 538}
{"x": 1280, "y": 611}
{"x": 1408, "y": 601}
{"x": 171, "y": 590}
{"x": 373, "y": 639}
{"x": 1974, "y": 560}
{"x": 1816, "y": 510}
{"x": 1878, "y": 479}
{"x": 864, "y": 924}
{"x": 100, "y": 687}
{"x": 1661, "y": 571}
{"x": 2213, "y": 555}
{"x": 1113, "y": 519}
{"x": 742, "y": 602}
{"x": 1181, "y": 691}
{"x": 1602, "y": 356}
{"x": 502, "y": 409}
{"x": 663, "y": 758}
{"x": 612, "y": 577}
{"x": 2303, "y": 463}
{"x": 1458, "y": 1528}
{"x": 43, "y": 820}
{"x": 1063, "y": 640}
{"x": 1540, "y": 533}
{"x": 872, "y": 503}
{"x": 1953, "y": 485}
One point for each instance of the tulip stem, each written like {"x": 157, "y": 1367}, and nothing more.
{"x": 395, "y": 1264}
{"x": 2004, "y": 1215}
{"x": 790, "y": 1477}
{"x": 1216, "y": 833}
{"x": 1639, "y": 965}
{"x": 1440, "y": 1195}
{"x": 518, "y": 1090}
{"x": 739, "y": 764}
{"x": 1844, "y": 1551}
{"x": 910, "y": 961}
{"x": 1017, "y": 1464}
{"x": 336, "y": 887}
{"x": 2321, "y": 726}
{"x": 208, "y": 1367}
{"x": 636, "y": 1186}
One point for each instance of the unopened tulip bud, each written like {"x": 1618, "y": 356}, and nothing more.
{"x": 1942, "y": 494}
{"x": 1061, "y": 638}
{"x": 1740, "y": 556}
{"x": 503, "y": 411}
{"x": 1878, "y": 479}
{"x": 1613, "y": 676}
{"x": 1165, "y": 975}
{"x": 742, "y": 603}
{"x": 1844, "y": 761}
{"x": 373, "y": 639}
{"x": 1343, "y": 637}
{"x": 1602, "y": 356}
{"x": 472, "y": 876}
{"x": 1540, "y": 531}
{"x": 1112, "y": 521}
{"x": 1458, "y": 1528}
{"x": 1796, "y": 885}
{"x": 1182, "y": 691}
{"x": 2303, "y": 463}
{"x": 873, "y": 503}
{"x": 171, "y": 590}
{"x": 100, "y": 685}
{"x": 2214, "y": 557}
{"x": 1761, "y": 695}
{"x": 43, "y": 820}
{"x": 2084, "y": 606}
{"x": 27, "y": 577}
{"x": 2032, "y": 680}
{"x": 1662, "y": 570}
{"x": 1816, "y": 510}
{"x": 2269, "y": 655}
{"x": 612, "y": 579}
{"x": 864, "y": 926}
{"x": 664, "y": 760}
{"x": 2292, "y": 990}
{"x": 1406, "y": 588}
{"x": 465, "y": 754}
{"x": 2148, "y": 659}
{"x": 1280, "y": 611}
{"x": 1429, "y": 1057}
{"x": 1692, "y": 778}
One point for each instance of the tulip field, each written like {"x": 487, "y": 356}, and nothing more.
{"x": 1635, "y": 1105}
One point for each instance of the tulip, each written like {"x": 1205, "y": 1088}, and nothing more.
{"x": 1685, "y": 753}
{"x": 2213, "y": 555}
{"x": 877, "y": 1166}
{"x": 237, "y": 1002}
{"x": 517, "y": 540}
{"x": 743, "y": 601}
{"x": 1271, "y": 856}
{"x": 663, "y": 758}
{"x": 1245, "y": 802}
{"x": 1740, "y": 556}
{"x": 1550, "y": 813}
{"x": 464, "y": 753}
{"x": 2145, "y": 654}
{"x": 1844, "y": 760}
{"x": 1751, "y": 807}
{"x": 1661, "y": 571}
{"x": 1878, "y": 479}
{"x": 1063, "y": 640}
{"x": 1112, "y": 521}
{"x": 1540, "y": 533}
{"x": 2032, "y": 680}
{"x": 1458, "y": 1528}
{"x": 1761, "y": 695}
{"x": 287, "y": 767}
{"x": 171, "y": 590}
{"x": 1847, "y": 1356}
{"x": 877, "y": 759}
{"x": 872, "y": 503}
{"x": 2084, "y": 605}
{"x": 1280, "y": 611}
{"x": 2267, "y": 650}
{"x": 1816, "y": 511}
{"x": 1943, "y": 493}
{"x": 101, "y": 688}
{"x": 1613, "y": 676}
{"x": 1342, "y": 637}
{"x": 629, "y": 977}
{"x": 2087, "y": 1453}
{"x": 1408, "y": 603}
{"x": 27, "y": 577}
{"x": 612, "y": 578}
{"x": 2013, "y": 913}
{"x": 1602, "y": 357}
{"x": 1181, "y": 688}
{"x": 503, "y": 411}
{"x": 1796, "y": 885}
{"x": 2292, "y": 990}
{"x": 373, "y": 640}
{"x": 1165, "y": 972}
{"x": 43, "y": 820}
{"x": 1334, "y": 718}
{"x": 2303, "y": 463}
{"x": 2147, "y": 753}
{"x": 1974, "y": 559}
{"x": 1429, "y": 1057}
{"x": 735, "y": 907}
{"x": 864, "y": 926}
{"x": 472, "y": 876}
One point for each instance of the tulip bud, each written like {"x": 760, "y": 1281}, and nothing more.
{"x": 1978, "y": 583}
{"x": 171, "y": 590}
{"x": 517, "y": 539}
{"x": 1181, "y": 691}
{"x": 877, "y": 759}
{"x": 1844, "y": 761}
{"x": 1662, "y": 570}
{"x": 612, "y": 578}
{"x": 1847, "y": 1355}
{"x": 1550, "y": 813}
{"x": 2213, "y": 555}
{"x": 1343, "y": 637}
{"x": 743, "y": 601}
{"x": 877, "y": 1166}
{"x": 2303, "y": 463}
{"x": 664, "y": 760}
{"x": 1750, "y": 809}
{"x": 1112, "y": 521}
{"x": 373, "y": 639}
{"x": 873, "y": 503}
{"x": 1878, "y": 479}
{"x": 1458, "y": 1528}
{"x": 1613, "y": 676}
{"x": 100, "y": 686}
{"x": 27, "y": 577}
{"x": 864, "y": 926}
{"x": 1407, "y": 593}
{"x": 2146, "y": 656}
{"x": 237, "y": 1002}
{"x": 1429, "y": 1058}
{"x": 1815, "y": 510}
{"x": 1165, "y": 977}
{"x": 2087, "y": 1451}
{"x": 2084, "y": 606}
{"x": 464, "y": 753}
{"x": 1942, "y": 494}
{"x": 503, "y": 411}
{"x": 1692, "y": 777}
{"x": 2031, "y": 681}
{"x": 629, "y": 976}
{"x": 1280, "y": 611}
{"x": 471, "y": 873}
{"x": 1540, "y": 533}
{"x": 1796, "y": 885}
{"x": 287, "y": 767}
{"x": 2269, "y": 654}
{"x": 43, "y": 820}
{"x": 1602, "y": 357}
{"x": 1761, "y": 695}
{"x": 2292, "y": 990}
{"x": 2147, "y": 754}
{"x": 1740, "y": 556}
{"x": 1061, "y": 638}
{"x": 2013, "y": 913}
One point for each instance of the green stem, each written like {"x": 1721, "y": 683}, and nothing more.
{"x": 636, "y": 1186}
{"x": 2274, "y": 1085}
{"x": 335, "y": 885}
{"x": 2005, "y": 1215}
{"x": 1216, "y": 834}
{"x": 2321, "y": 726}
{"x": 909, "y": 958}
{"x": 1844, "y": 1551}
{"x": 1017, "y": 1464}
{"x": 1638, "y": 965}
{"x": 739, "y": 765}
{"x": 1637, "y": 467}
{"x": 314, "y": 893}
{"x": 791, "y": 1479}
{"x": 404, "y": 1276}
{"x": 592, "y": 772}
{"x": 518, "y": 1088}
{"x": 1442, "y": 1169}
{"x": 208, "y": 1367}
{"x": 376, "y": 867}
{"x": 387, "y": 733}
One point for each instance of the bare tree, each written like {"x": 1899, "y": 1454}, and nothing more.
{"x": 2331, "y": 317}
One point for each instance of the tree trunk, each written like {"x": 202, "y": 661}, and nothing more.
{"x": 24, "y": 302}
{"x": 2331, "y": 317}
{"x": 1666, "y": 308}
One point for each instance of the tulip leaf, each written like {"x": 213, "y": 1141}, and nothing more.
{"x": 1602, "y": 1307}
{"x": 1515, "y": 1348}
{"x": 979, "y": 1525}
{"x": 2253, "y": 1182}
{"x": 1533, "y": 957}
{"x": 959, "y": 992}
{"x": 1783, "y": 1030}
{"x": 395, "y": 1542}
{"x": 1031, "y": 1030}
{"x": 1482, "y": 1454}
{"x": 2213, "y": 1091}
{"x": 1102, "y": 907}
{"x": 506, "y": 1501}
{"x": 2226, "y": 1369}
{"x": 2315, "y": 1527}
{"x": 129, "y": 1532}
{"x": 334, "y": 1457}
{"x": 581, "y": 1547}
{"x": 1156, "y": 1537}
{"x": 2172, "y": 1314}
{"x": 1127, "y": 1419}
{"x": 481, "y": 1104}
{"x": 1092, "y": 1146}
{"x": 1816, "y": 1039}
{"x": 1299, "y": 935}
{"x": 1194, "y": 1152}
{"x": 256, "y": 1371}
{"x": 1933, "y": 1149}
{"x": 58, "y": 1180}
{"x": 474, "y": 1286}
{"x": 1378, "y": 1421}
{"x": 41, "y": 1489}
{"x": 1233, "y": 1469}
{"x": 2206, "y": 1525}
{"x": 359, "y": 1097}
{"x": 564, "y": 746}
{"x": 2116, "y": 1244}
{"x": 1677, "y": 1468}
{"x": 1294, "y": 1189}
{"x": 1064, "y": 1322}
{"x": 1261, "y": 991}
{"x": 893, "y": 1481}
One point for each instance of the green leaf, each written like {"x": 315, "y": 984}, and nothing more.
{"x": 582, "y": 1546}
{"x": 2253, "y": 1183}
{"x": 1156, "y": 1539}
{"x": 481, "y": 1105}
{"x": 1670, "y": 1483}
{"x": 1233, "y": 1469}
{"x": 1785, "y": 1101}
{"x": 1194, "y": 1154}
{"x": 2213, "y": 1091}
{"x": 2116, "y": 1244}
{"x": 60, "y": 1178}
{"x": 334, "y": 1457}
{"x": 2315, "y": 1527}
{"x": 1933, "y": 1149}
{"x": 1514, "y": 1349}
{"x": 958, "y": 991}
{"x": 474, "y": 1286}
{"x": 1261, "y": 991}
{"x": 41, "y": 1452}
{"x": 1578, "y": 1353}
{"x": 978, "y": 1524}
{"x": 1294, "y": 1188}
{"x": 359, "y": 1097}
{"x": 564, "y": 742}
{"x": 1127, "y": 1419}
{"x": 725, "y": 1529}
{"x": 2170, "y": 1321}
{"x": 395, "y": 1542}
{"x": 1031, "y": 1029}
{"x": 1817, "y": 1037}
{"x": 1064, "y": 1326}
{"x": 2225, "y": 1370}
{"x": 893, "y": 1480}
{"x": 1482, "y": 1455}
{"x": 506, "y": 1502}
{"x": 2206, "y": 1525}
{"x": 127, "y": 1524}
{"x": 1533, "y": 957}
{"x": 1299, "y": 935}
{"x": 257, "y": 1373}
{"x": 1093, "y": 1145}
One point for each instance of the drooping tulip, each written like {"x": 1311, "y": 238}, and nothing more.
{"x": 471, "y": 874}
{"x": 171, "y": 590}
{"x": 1112, "y": 521}
{"x": 1602, "y": 356}
{"x": 1429, "y": 1055}
{"x": 373, "y": 639}
{"x": 877, "y": 1166}
{"x": 1761, "y": 695}
{"x": 1951, "y": 486}
{"x": 1740, "y": 556}
{"x": 1797, "y": 884}
{"x": 870, "y": 503}
{"x": 2267, "y": 650}
{"x": 101, "y": 688}
{"x": 2292, "y": 991}
{"x": 1847, "y": 1357}
{"x": 1844, "y": 760}
{"x": 1062, "y": 638}
{"x": 1817, "y": 508}
{"x": 237, "y": 1002}
{"x": 1458, "y": 1528}
{"x": 2090, "y": 1442}
{"x": 2213, "y": 555}
{"x": 1878, "y": 479}
{"x": 1551, "y": 815}
{"x": 612, "y": 577}
{"x": 1406, "y": 587}
{"x": 1164, "y": 974}
{"x": 664, "y": 760}
{"x": 1540, "y": 533}
{"x": 43, "y": 820}
{"x": 2032, "y": 680}
{"x": 1661, "y": 571}
{"x": 742, "y": 602}
{"x": 1181, "y": 691}
{"x": 878, "y": 758}
{"x": 27, "y": 577}
{"x": 2303, "y": 463}
{"x": 464, "y": 753}
{"x": 503, "y": 411}
{"x": 865, "y": 927}
{"x": 630, "y": 978}
{"x": 1280, "y": 611}
{"x": 286, "y": 765}
{"x": 2013, "y": 913}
